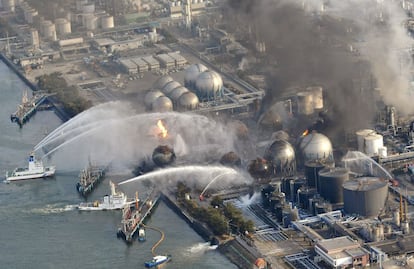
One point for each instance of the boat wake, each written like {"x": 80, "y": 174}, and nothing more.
{"x": 52, "y": 209}
{"x": 199, "y": 248}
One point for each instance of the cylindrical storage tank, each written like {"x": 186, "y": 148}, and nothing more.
{"x": 107, "y": 22}
{"x": 316, "y": 146}
{"x": 90, "y": 21}
{"x": 162, "y": 104}
{"x": 88, "y": 8}
{"x": 365, "y": 196}
{"x": 285, "y": 186}
{"x": 304, "y": 103}
{"x": 317, "y": 96}
{"x": 382, "y": 152}
{"x": 163, "y": 155}
{"x": 330, "y": 184}
{"x": 279, "y": 213}
{"x": 49, "y": 30}
{"x": 80, "y": 4}
{"x": 281, "y": 156}
{"x": 312, "y": 168}
{"x": 209, "y": 85}
{"x": 361, "y": 134}
{"x": 304, "y": 194}
{"x": 191, "y": 74}
{"x": 162, "y": 81}
{"x": 8, "y": 5}
{"x": 295, "y": 185}
{"x": 150, "y": 97}
{"x": 396, "y": 217}
{"x": 373, "y": 143}
{"x": 188, "y": 101}
{"x": 176, "y": 93}
{"x": 63, "y": 26}
{"x": 170, "y": 86}
{"x": 405, "y": 227}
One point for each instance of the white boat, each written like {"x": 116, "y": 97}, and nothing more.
{"x": 116, "y": 200}
{"x": 157, "y": 260}
{"x": 36, "y": 169}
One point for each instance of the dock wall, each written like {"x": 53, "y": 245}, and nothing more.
{"x": 197, "y": 226}
{"x": 17, "y": 71}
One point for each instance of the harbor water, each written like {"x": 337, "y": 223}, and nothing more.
{"x": 40, "y": 227}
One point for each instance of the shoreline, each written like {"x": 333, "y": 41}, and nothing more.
{"x": 57, "y": 107}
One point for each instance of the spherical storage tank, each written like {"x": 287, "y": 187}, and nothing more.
{"x": 281, "y": 156}
{"x": 230, "y": 159}
{"x": 191, "y": 74}
{"x": 170, "y": 86}
{"x": 188, "y": 101}
{"x": 316, "y": 146}
{"x": 373, "y": 143}
{"x": 208, "y": 85}
{"x": 150, "y": 97}
{"x": 162, "y": 81}
{"x": 107, "y": 22}
{"x": 163, "y": 155}
{"x": 330, "y": 183}
{"x": 365, "y": 196}
{"x": 162, "y": 104}
{"x": 176, "y": 93}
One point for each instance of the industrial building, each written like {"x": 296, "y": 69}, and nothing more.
{"x": 341, "y": 252}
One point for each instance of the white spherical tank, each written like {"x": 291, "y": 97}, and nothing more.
{"x": 361, "y": 134}
{"x": 162, "y": 81}
{"x": 317, "y": 96}
{"x": 107, "y": 22}
{"x": 177, "y": 92}
{"x": 373, "y": 143}
{"x": 316, "y": 146}
{"x": 208, "y": 85}
{"x": 304, "y": 103}
{"x": 170, "y": 86}
{"x": 150, "y": 97}
{"x": 162, "y": 104}
{"x": 63, "y": 26}
{"x": 191, "y": 74}
{"x": 90, "y": 21}
{"x": 188, "y": 101}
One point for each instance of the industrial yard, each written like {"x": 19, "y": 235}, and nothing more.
{"x": 327, "y": 153}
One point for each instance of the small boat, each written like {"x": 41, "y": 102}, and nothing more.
{"x": 157, "y": 260}
{"x": 36, "y": 169}
{"x": 141, "y": 234}
{"x": 116, "y": 200}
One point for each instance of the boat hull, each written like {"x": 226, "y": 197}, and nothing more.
{"x": 30, "y": 176}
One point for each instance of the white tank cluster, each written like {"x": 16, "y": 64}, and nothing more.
{"x": 207, "y": 84}
{"x": 371, "y": 143}
{"x": 316, "y": 146}
{"x": 180, "y": 97}
{"x": 309, "y": 100}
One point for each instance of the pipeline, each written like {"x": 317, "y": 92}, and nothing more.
{"x": 159, "y": 241}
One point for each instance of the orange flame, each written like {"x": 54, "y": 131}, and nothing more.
{"x": 305, "y": 133}
{"x": 163, "y": 131}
